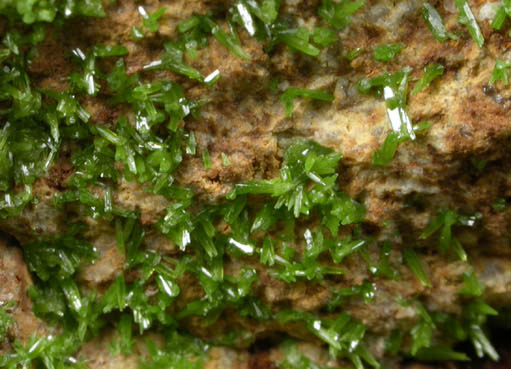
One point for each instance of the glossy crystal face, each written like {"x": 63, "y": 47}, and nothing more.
{"x": 233, "y": 184}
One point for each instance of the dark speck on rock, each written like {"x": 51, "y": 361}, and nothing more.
{"x": 465, "y": 131}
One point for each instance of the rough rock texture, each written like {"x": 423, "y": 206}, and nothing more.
{"x": 246, "y": 121}
{"x": 14, "y": 282}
